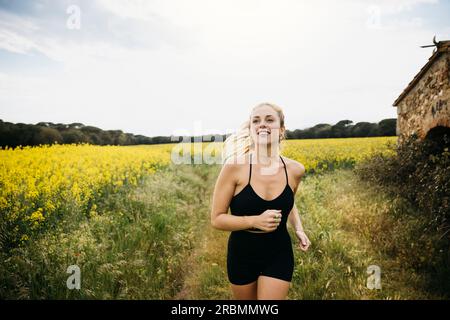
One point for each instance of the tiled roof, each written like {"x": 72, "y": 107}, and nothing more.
{"x": 442, "y": 46}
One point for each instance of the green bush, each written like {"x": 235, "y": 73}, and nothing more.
{"x": 418, "y": 175}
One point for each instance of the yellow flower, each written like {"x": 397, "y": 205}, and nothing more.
{"x": 36, "y": 218}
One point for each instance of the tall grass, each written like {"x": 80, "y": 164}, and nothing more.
{"x": 352, "y": 225}
{"x": 132, "y": 246}
{"x": 154, "y": 241}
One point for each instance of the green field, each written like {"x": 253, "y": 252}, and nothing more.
{"x": 155, "y": 242}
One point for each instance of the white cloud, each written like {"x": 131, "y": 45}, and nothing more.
{"x": 133, "y": 9}
{"x": 318, "y": 59}
{"x": 398, "y": 6}
{"x": 13, "y": 42}
{"x": 15, "y": 34}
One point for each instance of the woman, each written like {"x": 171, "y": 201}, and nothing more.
{"x": 260, "y": 260}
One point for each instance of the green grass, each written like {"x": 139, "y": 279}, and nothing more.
{"x": 351, "y": 225}
{"x": 156, "y": 242}
{"x": 132, "y": 247}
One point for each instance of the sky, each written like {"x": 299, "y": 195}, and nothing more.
{"x": 173, "y": 67}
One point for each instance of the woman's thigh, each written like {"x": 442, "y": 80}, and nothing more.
{"x": 269, "y": 288}
{"x": 245, "y": 292}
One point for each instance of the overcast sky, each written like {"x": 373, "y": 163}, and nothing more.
{"x": 157, "y": 67}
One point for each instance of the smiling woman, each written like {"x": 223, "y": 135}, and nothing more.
{"x": 241, "y": 142}
{"x": 260, "y": 260}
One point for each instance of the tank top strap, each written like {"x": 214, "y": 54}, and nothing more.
{"x": 250, "y": 174}
{"x": 285, "y": 170}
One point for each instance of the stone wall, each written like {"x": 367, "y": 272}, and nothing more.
{"x": 427, "y": 105}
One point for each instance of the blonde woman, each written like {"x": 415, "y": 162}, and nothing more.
{"x": 258, "y": 185}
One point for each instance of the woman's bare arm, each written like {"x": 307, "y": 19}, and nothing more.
{"x": 223, "y": 193}
{"x": 294, "y": 217}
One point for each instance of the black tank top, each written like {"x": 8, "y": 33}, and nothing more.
{"x": 247, "y": 202}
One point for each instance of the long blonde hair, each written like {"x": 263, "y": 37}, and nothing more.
{"x": 240, "y": 142}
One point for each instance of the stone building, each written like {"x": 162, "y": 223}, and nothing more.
{"x": 423, "y": 108}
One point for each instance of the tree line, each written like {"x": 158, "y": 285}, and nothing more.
{"x": 346, "y": 129}
{"x": 21, "y": 134}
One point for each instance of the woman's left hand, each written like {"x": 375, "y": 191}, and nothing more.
{"x": 303, "y": 238}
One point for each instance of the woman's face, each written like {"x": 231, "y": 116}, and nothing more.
{"x": 265, "y": 126}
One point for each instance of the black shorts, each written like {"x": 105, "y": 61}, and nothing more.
{"x": 250, "y": 255}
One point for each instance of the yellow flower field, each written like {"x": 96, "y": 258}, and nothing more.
{"x": 129, "y": 228}
{"x": 37, "y": 182}
{"x": 324, "y": 154}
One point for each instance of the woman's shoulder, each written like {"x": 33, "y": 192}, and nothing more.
{"x": 297, "y": 168}
{"x": 235, "y": 164}
{"x": 235, "y": 168}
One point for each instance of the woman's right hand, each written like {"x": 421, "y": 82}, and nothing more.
{"x": 268, "y": 221}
